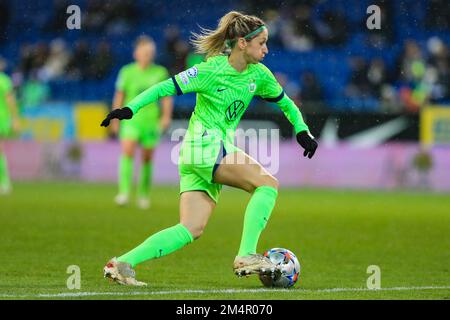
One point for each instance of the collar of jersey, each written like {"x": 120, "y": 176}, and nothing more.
{"x": 233, "y": 70}
{"x": 150, "y": 66}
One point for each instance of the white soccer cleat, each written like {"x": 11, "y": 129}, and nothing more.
{"x": 122, "y": 273}
{"x": 121, "y": 199}
{"x": 255, "y": 264}
{"x": 143, "y": 203}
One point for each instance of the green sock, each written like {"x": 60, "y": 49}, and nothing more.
{"x": 256, "y": 216}
{"x": 125, "y": 174}
{"x": 160, "y": 244}
{"x": 4, "y": 176}
{"x": 145, "y": 179}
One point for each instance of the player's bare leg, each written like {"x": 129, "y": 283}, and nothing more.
{"x": 195, "y": 209}
{"x": 125, "y": 171}
{"x": 241, "y": 171}
{"x": 145, "y": 178}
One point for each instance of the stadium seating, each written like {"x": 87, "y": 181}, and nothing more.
{"x": 331, "y": 65}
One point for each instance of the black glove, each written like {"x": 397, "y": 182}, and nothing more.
{"x": 306, "y": 140}
{"x": 124, "y": 113}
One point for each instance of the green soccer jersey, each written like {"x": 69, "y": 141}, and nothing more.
{"x": 223, "y": 94}
{"x": 5, "y": 89}
{"x": 133, "y": 80}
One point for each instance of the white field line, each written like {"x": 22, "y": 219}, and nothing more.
{"x": 213, "y": 291}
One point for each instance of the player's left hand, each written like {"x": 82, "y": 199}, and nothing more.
{"x": 307, "y": 141}
{"x": 124, "y": 113}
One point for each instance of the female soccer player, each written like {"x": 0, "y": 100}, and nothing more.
{"x": 145, "y": 127}
{"x": 8, "y": 121}
{"x": 224, "y": 84}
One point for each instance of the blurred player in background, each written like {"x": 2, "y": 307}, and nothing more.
{"x": 144, "y": 129}
{"x": 9, "y": 122}
{"x": 225, "y": 85}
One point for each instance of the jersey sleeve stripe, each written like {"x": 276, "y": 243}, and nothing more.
{"x": 275, "y": 99}
{"x": 177, "y": 87}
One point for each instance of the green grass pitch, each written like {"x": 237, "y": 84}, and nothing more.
{"x": 46, "y": 227}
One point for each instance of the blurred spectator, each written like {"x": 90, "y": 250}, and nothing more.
{"x": 96, "y": 16}
{"x": 415, "y": 86}
{"x": 57, "y": 62}
{"x": 414, "y": 97}
{"x": 32, "y": 58}
{"x": 377, "y": 76}
{"x": 310, "y": 88}
{"x": 420, "y": 73}
{"x": 121, "y": 16}
{"x": 390, "y": 102}
{"x": 359, "y": 85}
{"x": 290, "y": 88}
{"x": 310, "y": 97}
{"x": 57, "y": 21}
{"x": 33, "y": 92}
{"x": 180, "y": 56}
{"x": 80, "y": 61}
{"x": 102, "y": 61}
{"x": 26, "y": 59}
{"x": 331, "y": 29}
{"x": 439, "y": 69}
{"x": 411, "y": 63}
{"x": 55, "y": 65}
{"x": 176, "y": 50}
{"x": 438, "y": 15}
{"x": 299, "y": 33}
{"x": 257, "y": 6}
{"x": 114, "y": 17}
{"x": 274, "y": 23}
{"x": 4, "y": 19}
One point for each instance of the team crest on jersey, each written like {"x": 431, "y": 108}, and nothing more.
{"x": 192, "y": 72}
{"x": 184, "y": 78}
{"x": 234, "y": 110}
{"x": 252, "y": 86}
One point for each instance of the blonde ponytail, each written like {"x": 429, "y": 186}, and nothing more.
{"x": 231, "y": 26}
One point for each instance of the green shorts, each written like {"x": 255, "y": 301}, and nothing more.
{"x": 199, "y": 159}
{"x": 147, "y": 136}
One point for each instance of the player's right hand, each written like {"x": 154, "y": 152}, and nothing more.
{"x": 124, "y": 113}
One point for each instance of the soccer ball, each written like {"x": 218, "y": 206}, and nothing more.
{"x": 290, "y": 268}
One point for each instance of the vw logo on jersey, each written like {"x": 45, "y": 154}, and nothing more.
{"x": 234, "y": 110}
